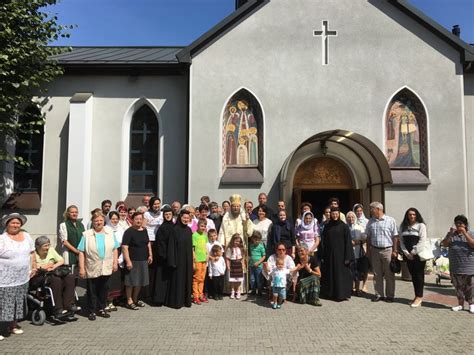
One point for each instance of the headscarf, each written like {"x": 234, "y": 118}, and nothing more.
{"x": 166, "y": 208}
{"x": 362, "y": 221}
{"x": 309, "y": 226}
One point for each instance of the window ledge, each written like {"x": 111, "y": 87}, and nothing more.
{"x": 242, "y": 176}
{"x": 409, "y": 178}
{"x": 23, "y": 201}
{"x": 134, "y": 199}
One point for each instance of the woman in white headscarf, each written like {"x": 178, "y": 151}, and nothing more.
{"x": 307, "y": 232}
{"x": 361, "y": 220}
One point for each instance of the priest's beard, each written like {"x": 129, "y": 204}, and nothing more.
{"x": 214, "y": 215}
{"x": 235, "y": 214}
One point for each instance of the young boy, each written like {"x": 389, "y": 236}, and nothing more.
{"x": 212, "y": 236}
{"x": 278, "y": 277}
{"x": 212, "y": 240}
{"x": 257, "y": 257}
{"x": 216, "y": 273}
{"x": 200, "y": 256}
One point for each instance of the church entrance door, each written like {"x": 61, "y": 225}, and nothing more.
{"x": 336, "y": 163}
{"x": 319, "y": 199}
{"x": 320, "y": 178}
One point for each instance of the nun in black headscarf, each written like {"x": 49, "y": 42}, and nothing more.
{"x": 180, "y": 260}
{"x": 162, "y": 271}
{"x": 336, "y": 257}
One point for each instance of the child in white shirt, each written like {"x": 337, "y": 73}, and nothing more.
{"x": 278, "y": 283}
{"x": 216, "y": 267}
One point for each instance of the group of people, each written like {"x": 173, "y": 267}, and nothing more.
{"x": 187, "y": 255}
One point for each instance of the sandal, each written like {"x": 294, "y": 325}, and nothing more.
{"x": 140, "y": 304}
{"x": 132, "y": 306}
{"x": 102, "y": 313}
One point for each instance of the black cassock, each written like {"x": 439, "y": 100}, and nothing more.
{"x": 180, "y": 259}
{"x": 162, "y": 271}
{"x": 336, "y": 255}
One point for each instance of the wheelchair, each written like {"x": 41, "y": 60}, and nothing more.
{"x": 40, "y": 300}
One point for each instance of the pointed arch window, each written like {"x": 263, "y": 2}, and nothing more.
{"x": 406, "y": 146}
{"x": 242, "y": 139}
{"x": 143, "y": 169}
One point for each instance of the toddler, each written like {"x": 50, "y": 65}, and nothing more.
{"x": 216, "y": 273}
{"x": 278, "y": 277}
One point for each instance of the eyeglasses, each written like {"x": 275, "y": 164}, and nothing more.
{"x": 279, "y": 249}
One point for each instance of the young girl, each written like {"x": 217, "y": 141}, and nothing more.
{"x": 235, "y": 261}
{"x": 257, "y": 257}
{"x": 216, "y": 273}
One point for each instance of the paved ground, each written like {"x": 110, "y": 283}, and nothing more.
{"x": 250, "y": 326}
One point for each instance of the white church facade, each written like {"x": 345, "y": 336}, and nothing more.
{"x": 303, "y": 99}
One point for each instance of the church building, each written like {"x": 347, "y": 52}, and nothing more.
{"x": 365, "y": 100}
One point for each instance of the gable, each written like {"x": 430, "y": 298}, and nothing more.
{"x": 404, "y": 8}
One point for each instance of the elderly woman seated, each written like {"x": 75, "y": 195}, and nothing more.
{"x": 307, "y": 287}
{"x": 61, "y": 281}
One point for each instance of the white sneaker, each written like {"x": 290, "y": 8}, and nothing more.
{"x": 238, "y": 295}
{"x": 232, "y": 294}
{"x": 17, "y": 331}
{"x": 457, "y": 308}
{"x": 471, "y": 308}
{"x": 1, "y": 337}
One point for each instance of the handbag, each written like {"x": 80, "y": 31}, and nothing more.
{"x": 62, "y": 271}
{"x": 426, "y": 253}
{"x": 395, "y": 266}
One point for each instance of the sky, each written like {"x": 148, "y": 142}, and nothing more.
{"x": 180, "y": 22}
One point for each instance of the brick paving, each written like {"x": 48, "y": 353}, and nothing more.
{"x": 357, "y": 326}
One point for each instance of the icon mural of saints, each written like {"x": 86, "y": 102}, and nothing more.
{"x": 241, "y": 139}
{"x": 403, "y": 136}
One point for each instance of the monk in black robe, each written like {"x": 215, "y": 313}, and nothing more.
{"x": 180, "y": 259}
{"x": 162, "y": 271}
{"x": 336, "y": 256}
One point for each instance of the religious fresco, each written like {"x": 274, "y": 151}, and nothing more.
{"x": 240, "y": 134}
{"x": 402, "y": 135}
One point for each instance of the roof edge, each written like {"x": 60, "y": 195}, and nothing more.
{"x": 113, "y": 46}
{"x": 185, "y": 55}
{"x": 467, "y": 51}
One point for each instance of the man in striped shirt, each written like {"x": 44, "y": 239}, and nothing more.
{"x": 382, "y": 246}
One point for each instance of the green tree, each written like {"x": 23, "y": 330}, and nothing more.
{"x": 26, "y": 31}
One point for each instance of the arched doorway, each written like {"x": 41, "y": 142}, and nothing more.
{"x": 320, "y": 178}
{"x": 342, "y": 163}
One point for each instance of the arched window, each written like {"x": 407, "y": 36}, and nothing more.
{"x": 143, "y": 170}
{"x": 242, "y": 137}
{"x": 406, "y": 133}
